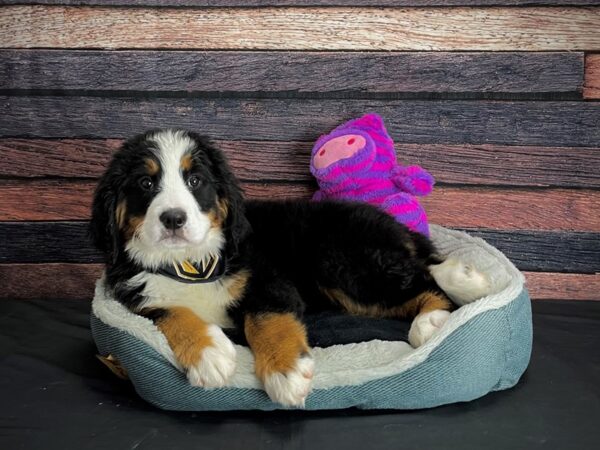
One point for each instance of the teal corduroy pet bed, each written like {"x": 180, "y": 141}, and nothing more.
{"x": 484, "y": 346}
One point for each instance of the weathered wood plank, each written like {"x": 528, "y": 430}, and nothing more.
{"x": 42, "y": 242}
{"x": 513, "y": 209}
{"x": 506, "y": 209}
{"x": 409, "y": 121}
{"x": 563, "y": 286}
{"x": 520, "y": 29}
{"x": 49, "y": 281}
{"x": 355, "y": 3}
{"x": 591, "y": 88}
{"x": 546, "y": 251}
{"x": 350, "y": 73}
{"x": 507, "y": 165}
{"x": 288, "y": 161}
{"x": 76, "y": 281}
{"x": 46, "y": 200}
{"x": 539, "y": 251}
{"x": 40, "y": 158}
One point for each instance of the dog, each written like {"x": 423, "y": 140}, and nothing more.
{"x": 184, "y": 249}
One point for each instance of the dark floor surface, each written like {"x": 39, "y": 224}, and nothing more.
{"x": 54, "y": 394}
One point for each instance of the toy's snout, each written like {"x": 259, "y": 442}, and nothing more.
{"x": 341, "y": 147}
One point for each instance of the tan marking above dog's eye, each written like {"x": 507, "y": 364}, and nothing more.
{"x": 152, "y": 166}
{"x": 186, "y": 162}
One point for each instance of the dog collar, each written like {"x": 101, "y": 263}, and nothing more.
{"x": 208, "y": 270}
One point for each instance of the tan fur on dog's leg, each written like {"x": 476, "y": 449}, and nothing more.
{"x": 281, "y": 353}
{"x": 202, "y": 349}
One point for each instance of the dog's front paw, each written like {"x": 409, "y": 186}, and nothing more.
{"x": 216, "y": 363}
{"x": 426, "y": 325}
{"x": 292, "y": 387}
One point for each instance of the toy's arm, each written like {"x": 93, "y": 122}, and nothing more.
{"x": 413, "y": 179}
{"x": 318, "y": 196}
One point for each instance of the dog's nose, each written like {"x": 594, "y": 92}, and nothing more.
{"x": 173, "y": 219}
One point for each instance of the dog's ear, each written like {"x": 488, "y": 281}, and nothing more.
{"x": 236, "y": 225}
{"x": 103, "y": 228}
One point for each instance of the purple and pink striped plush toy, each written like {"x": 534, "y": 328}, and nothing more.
{"x": 357, "y": 161}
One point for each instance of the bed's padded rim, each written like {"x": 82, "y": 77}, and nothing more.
{"x": 489, "y": 352}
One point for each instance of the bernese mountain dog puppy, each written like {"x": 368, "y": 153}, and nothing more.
{"x": 185, "y": 250}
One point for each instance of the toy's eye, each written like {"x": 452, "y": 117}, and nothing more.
{"x": 146, "y": 183}
{"x": 194, "y": 181}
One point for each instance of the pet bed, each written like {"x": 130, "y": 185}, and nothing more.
{"x": 484, "y": 346}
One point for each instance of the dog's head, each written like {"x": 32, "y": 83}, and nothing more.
{"x": 167, "y": 195}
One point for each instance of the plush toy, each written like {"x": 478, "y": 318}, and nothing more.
{"x": 357, "y": 161}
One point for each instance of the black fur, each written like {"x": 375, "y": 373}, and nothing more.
{"x": 292, "y": 249}
{"x": 298, "y": 247}
{"x": 117, "y": 183}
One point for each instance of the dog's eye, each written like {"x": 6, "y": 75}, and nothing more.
{"x": 146, "y": 183}
{"x": 193, "y": 181}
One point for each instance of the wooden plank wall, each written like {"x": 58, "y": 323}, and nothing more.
{"x": 499, "y": 99}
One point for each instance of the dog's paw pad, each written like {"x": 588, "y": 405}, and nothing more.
{"x": 291, "y": 388}
{"x": 217, "y": 362}
{"x": 425, "y": 326}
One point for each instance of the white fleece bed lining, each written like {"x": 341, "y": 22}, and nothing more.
{"x": 350, "y": 364}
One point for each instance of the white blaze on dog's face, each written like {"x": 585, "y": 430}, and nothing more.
{"x": 174, "y": 218}
{"x": 171, "y": 206}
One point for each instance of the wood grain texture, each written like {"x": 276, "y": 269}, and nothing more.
{"x": 349, "y": 73}
{"x": 549, "y": 251}
{"x": 591, "y": 88}
{"x": 523, "y": 175}
{"x": 49, "y": 281}
{"x": 506, "y": 209}
{"x": 56, "y": 158}
{"x": 506, "y": 29}
{"x": 76, "y": 281}
{"x": 513, "y": 209}
{"x": 415, "y": 121}
{"x": 42, "y": 242}
{"x": 255, "y": 3}
{"x": 261, "y": 161}
{"x": 563, "y": 286}
{"x": 507, "y": 165}
{"x": 539, "y": 251}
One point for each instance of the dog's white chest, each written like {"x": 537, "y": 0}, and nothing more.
{"x": 208, "y": 300}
